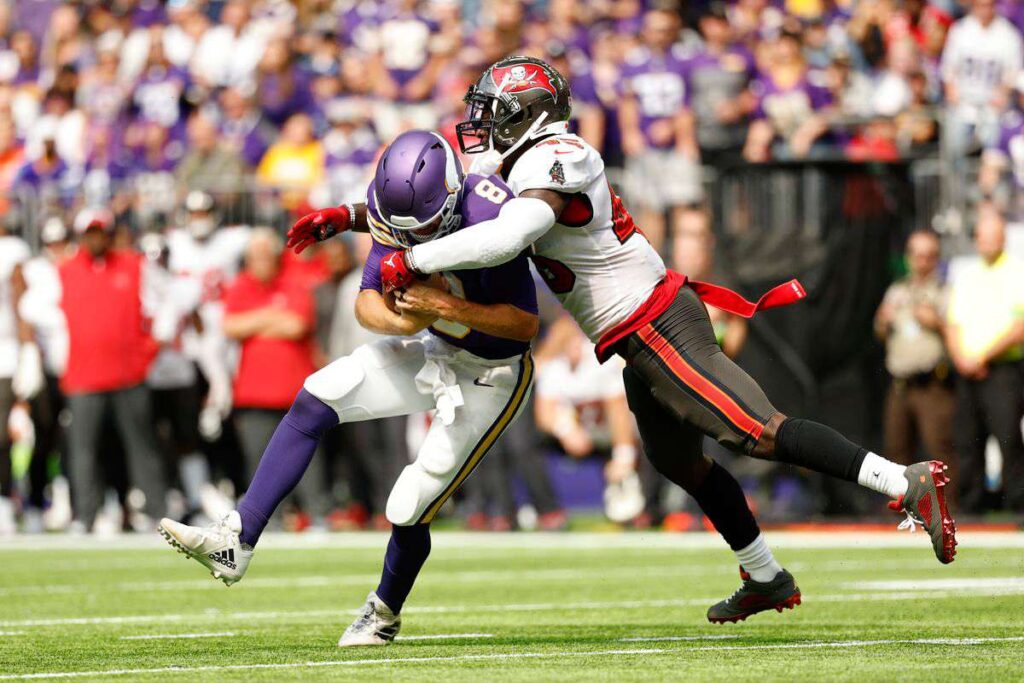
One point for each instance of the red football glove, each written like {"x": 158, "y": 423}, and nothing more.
{"x": 395, "y": 272}
{"x": 319, "y": 226}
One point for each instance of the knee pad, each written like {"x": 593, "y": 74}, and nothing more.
{"x": 409, "y": 496}
{"x": 334, "y": 382}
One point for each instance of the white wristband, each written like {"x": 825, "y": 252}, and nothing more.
{"x": 624, "y": 452}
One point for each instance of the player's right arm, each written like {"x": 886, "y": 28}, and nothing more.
{"x": 373, "y": 313}
{"x": 373, "y": 309}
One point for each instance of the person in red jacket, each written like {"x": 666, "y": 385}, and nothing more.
{"x": 109, "y": 352}
{"x": 270, "y": 313}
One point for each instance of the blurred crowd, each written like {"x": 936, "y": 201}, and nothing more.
{"x": 153, "y": 330}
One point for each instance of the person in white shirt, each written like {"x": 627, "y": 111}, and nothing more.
{"x": 582, "y": 404}
{"x": 982, "y": 57}
{"x": 20, "y": 364}
{"x": 39, "y": 308}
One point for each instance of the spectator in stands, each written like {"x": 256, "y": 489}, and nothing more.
{"x": 405, "y": 69}
{"x": 920, "y": 405}
{"x": 1007, "y": 154}
{"x": 109, "y": 352}
{"x": 12, "y": 158}
{"x": 350, "y": 148}
{"x": 791, "y": 112}
{"x": 243, "y": 127}
{"x": 40, "y": 309}
{"x": 283, "y": 88}
{"x": 981, "y": 61}
{"x": 271, "y": 317}
{"x": 719, "y": 78}
{"x": 588, "y": 118}
{"x": 228, "y": 53}
{"x": 209, "y": 164}
{"x": 658, "y": 130}
{"x": 985, "y": 338}
{"x": 295, "y": 163}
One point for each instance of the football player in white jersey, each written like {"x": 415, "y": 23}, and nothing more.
{"x": 679, "y": 384}
{"x": 210, "y": 256}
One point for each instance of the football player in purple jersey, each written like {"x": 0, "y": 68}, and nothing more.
{"x": 460, "y": 346}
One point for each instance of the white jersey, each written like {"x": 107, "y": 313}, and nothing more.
{"x": 13, "y": 252}
{"x": 213, "y": 262}
{"x": 978, "y": 59}
{"x": 40, "y": 308}
{"x": 583, "y": 388}
{"x": 210, "y": 264}
{"x": 594, "y": 259}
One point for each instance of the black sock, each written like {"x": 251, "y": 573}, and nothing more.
{"x": 407, "y": 551}
{"x": 723, "y": 502}
{"x": 817, "y": 447}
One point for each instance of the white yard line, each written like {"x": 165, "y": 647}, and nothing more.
{"x": 1006, "y": 583}
{"x": 445, "y": 636}
{"x": 4, "y": 634}
{"x": 576, "y": 541}
{"x": 507, "y": 656}
{"x": 674, "y": 639}
{"x": 487, "y": 576}
{"x": 172, "y": 636}
{"x": 220, "y": 615}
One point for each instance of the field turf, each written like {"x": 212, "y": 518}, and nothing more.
{"x": 530, "y": 607}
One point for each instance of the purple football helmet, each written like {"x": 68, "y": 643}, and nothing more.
{"x": 416, "y": 188}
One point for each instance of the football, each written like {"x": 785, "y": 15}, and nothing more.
{"x": 435, "y": 281}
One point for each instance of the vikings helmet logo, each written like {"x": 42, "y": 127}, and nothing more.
{"x": 523, "y": 77}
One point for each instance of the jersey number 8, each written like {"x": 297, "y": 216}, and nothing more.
{"x": 490, "y": 192}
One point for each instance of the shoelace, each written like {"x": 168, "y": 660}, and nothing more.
{"x": 911, "y": 522}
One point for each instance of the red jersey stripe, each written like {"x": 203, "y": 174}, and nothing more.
{"x": 741, "y": 420}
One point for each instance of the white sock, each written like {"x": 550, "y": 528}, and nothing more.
{"x": 884, "y": 476}
{"x": 758, "y": 561}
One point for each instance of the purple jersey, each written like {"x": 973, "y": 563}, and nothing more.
{"x": 405, "y": 45}
{"x": 787, "y": 108}
{"x": 658, "y": 82}
{"x": 509, "y": 283}
{"x": 250, "y": 136}
{"x": 158, "y": 95}
{"x": 1011, "y": 145}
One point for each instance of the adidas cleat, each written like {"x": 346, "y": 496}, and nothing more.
{"x": 753, "y": 597}
{"x": 377, "y": 625}
{"x": 215, "y": 546}
{"x": 925, "y": 505}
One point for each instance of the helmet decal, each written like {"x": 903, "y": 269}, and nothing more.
{"x": 523, "y": 77}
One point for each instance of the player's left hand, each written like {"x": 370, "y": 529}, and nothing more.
{"x": 424, "y": 300}
{"x": 395, "y": 272}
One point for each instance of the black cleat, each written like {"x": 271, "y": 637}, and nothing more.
{"x": 925, "y": 504}
{"x": 754, "y": 596}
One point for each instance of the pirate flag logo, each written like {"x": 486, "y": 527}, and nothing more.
{"x": 557, "y": 173}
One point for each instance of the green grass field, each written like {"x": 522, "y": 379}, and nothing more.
{"x": 515, "y": 607}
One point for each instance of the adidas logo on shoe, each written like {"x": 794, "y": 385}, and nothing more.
{"x": 224, "y": 557}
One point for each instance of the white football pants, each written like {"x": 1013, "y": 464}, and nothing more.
{"x": 476, "y": 400}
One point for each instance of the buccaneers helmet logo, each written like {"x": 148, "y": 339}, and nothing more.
{"x": 522, "y": 77}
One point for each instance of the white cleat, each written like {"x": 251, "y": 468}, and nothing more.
{"x": 216, "y": 546}
{"x": 377, "y": 625}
